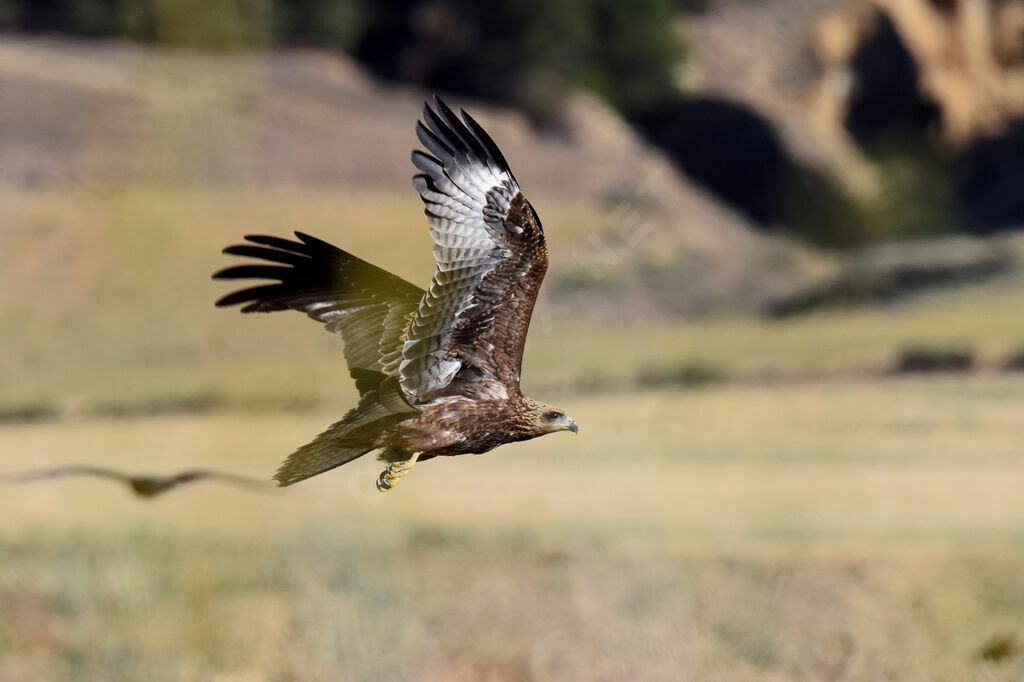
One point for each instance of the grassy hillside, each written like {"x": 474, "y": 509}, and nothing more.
{"x": 811, "y": 518}
{"x": 126, "y": 171}
{"x": 109, "y": 301}
{"x": 106, "y": 116}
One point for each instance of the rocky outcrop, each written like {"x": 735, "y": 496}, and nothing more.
{"x": 835, "y": 78}
{"x": 967, "y": 55}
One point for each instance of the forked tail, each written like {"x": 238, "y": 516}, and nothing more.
{"x": 349, "y": 439}
{"x": 324, "y": 453}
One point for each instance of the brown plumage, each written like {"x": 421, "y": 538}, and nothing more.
{"x": 437, "y": 370}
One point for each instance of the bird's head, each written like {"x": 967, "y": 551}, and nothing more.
{"x": 549, "y": 419}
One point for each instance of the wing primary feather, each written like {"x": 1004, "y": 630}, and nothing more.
{"x": 346, "y": 294}
{"x": 275, "y": 255}
{"x": 488, "y": 143}
{"x": 253, "y": 272}
{"x": 267, "y": 240}
{"x": 431, "y": 141}
{"x": 310, "y": 240}
{"x": 459, "y": 129}
{"x": 258, "y": 294}
{"x": 444, "y": 131}
{"x": 426, "y": 163}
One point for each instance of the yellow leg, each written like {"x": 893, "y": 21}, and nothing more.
{"x": 394, "y": 472}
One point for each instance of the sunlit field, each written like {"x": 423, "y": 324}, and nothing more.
{"x": 748, "y": 498}
{"x": 807, "y": 516}
{"x": 836, "y": 530}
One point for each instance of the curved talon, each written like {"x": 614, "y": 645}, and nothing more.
{"x": 384, "y": 482}
{"x": 394, "y": 472}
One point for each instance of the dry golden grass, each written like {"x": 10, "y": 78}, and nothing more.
{"x": 850, "y": 530}
{"x": 836, "y": 530}
{"x": 110, "y": 297}
{"x": 110, "y": 302}
{"x": 839, "y": 531}
{"x": 440, "y": 606}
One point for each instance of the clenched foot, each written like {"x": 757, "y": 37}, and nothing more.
{"x": 394, "y": 472}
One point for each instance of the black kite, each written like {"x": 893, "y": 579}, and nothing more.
{"x": 437, "y": 370}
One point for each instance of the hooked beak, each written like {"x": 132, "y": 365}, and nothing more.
{"x": 574, "y": 427}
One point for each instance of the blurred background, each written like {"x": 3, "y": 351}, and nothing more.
{"x": 785, "y": 306}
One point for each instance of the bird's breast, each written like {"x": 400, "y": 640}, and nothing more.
{"x": 458, "y": 426}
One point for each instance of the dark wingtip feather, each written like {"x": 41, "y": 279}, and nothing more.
{"x": 432, "y": 142}
{"x": 436, "y": 124}
{"x": 233, "y": 298}
{"x": 487, "y": 141}
{"x": 445, "y": 135}
{"x": 261, "y": 297}
{"x": 460, "y": 130}
{"x": 275, "y": 242}
{"x": 444, "y": 110}
{"x": 224, "y": 302}
{"x": 426, "y": 163}
{"x": 254, "y": 271}
{"x": 315, "y": 242}
{"x": 273, "y": 255}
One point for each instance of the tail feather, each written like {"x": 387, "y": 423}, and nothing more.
{"x": 324, "y": 453}
{"x": 352, "y": 437}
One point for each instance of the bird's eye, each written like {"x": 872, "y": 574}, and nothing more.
{"x": 552, "y": 416}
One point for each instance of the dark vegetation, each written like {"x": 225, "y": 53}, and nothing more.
{"x": 926, "y": 359}
{"x": 896, "y": 124}
{"x": 736, "y": 154}
{"x": 24, "y": 414}
{"x": 989, "y": 180}
{"x": 888, "y": 103}
{"x": 167, "y": 405}
{"x": 1015, "y": 363}
{"x": 526, "y": 53}
{"x": 931, "y": 190}
{"x": 999, "y": 648}
{"x": 531, "y": 53}
{"x": 887, "y": 273}
{"x": 687, "y": 374}
{"x": 161, "y": 406}
{"x": 927, "y": 189}
{"x": 728, "y": 148}
{"x": 684, "y": 375}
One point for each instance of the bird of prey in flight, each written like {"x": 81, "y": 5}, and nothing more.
{"x": 142, "y": 485}
{"x": 438, "y": 369}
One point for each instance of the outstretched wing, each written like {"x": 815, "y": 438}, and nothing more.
{"x": 368, "y": 306}
{"x": 491, "y": 259}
